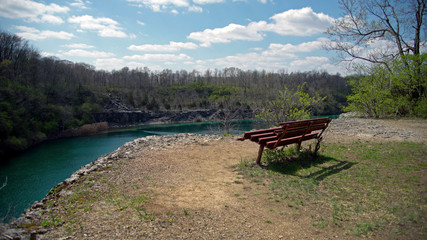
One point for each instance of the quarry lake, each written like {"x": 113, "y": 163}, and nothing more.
{"x": 33, "y": 173}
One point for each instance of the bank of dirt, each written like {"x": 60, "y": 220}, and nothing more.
{"x": 185, "y": 187}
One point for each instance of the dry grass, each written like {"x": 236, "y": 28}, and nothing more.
{"x": 86, "y": 130}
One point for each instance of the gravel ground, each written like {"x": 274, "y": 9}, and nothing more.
{"x": 182, "y": 187}
{"x": 383, "y": 130}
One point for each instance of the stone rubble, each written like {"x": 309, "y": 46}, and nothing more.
{"x": 368, "y": 128}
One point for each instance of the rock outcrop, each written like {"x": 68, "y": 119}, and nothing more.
{"x": 131, "y": 118}
{"x": 118, "y": 114}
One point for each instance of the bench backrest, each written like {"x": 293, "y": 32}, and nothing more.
{"x": 301, "y": 127}
{"x": 290, "y": 129}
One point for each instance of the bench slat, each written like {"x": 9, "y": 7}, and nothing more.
{"x": 247, "y": 135}
{"x": 305, "y": 122}
{"x": 287, "y": 141}
{"x": 256, "y": 137}
{"x": 264, "y": 140}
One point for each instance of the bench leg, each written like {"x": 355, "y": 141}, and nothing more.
{"x": 299, "y": 146}
{"x": 319, "y": 140}
{"x": 261, "y": 149}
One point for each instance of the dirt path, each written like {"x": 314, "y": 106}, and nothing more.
{"x": 196, "y": 194}
{"x": 191, "y": 191}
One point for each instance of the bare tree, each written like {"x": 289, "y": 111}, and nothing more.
{"x": 17, "y": 50}
{"x": 391, "y": 29}
{"x": 229, "y": 107}
{"x": 4, "y": 184}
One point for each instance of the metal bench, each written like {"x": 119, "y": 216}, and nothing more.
{"x": 287, "y": 133}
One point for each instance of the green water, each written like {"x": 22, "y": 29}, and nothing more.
{"x": 32, "y": 174}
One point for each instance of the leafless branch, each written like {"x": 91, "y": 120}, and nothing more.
{"x": 366, "y": 21}
{"x": 4, "y": 184}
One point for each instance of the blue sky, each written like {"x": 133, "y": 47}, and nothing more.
{"x": 179, "y": 34}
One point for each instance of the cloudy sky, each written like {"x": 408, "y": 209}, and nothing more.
{"x": 178, "y": 34}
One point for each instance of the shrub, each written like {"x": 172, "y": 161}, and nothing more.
{"x": 289, "y": 105}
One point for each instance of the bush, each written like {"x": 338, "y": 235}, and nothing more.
{"x": 396, "y": 90}
{"x": 289, "y": 105}
{"x": 50, "y": 127}
{"x": 372, "y": 94}
{"x": 16, "y": 143}
{"x": 421, "y": 109}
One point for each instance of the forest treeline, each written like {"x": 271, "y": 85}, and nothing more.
{"x": 42, "y": 96}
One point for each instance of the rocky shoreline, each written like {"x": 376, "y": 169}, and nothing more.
{"x": 14, "y": 229}
{"x": 342, "y": 127}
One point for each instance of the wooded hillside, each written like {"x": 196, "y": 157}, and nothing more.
{"x": 41, "y": 96}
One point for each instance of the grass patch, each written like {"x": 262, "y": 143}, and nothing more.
{"x": 123, "y": 201}
{"x": 52, "y": 222}
{"x": 365, "y": 228}
{"x": 186, "y": 212}
{"x": 368, "y": 188}
{"x": 86, "y": 194}
{"x": 321, "y": 222}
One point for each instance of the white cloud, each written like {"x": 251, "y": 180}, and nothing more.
{"x": 276, "y": 57}
{"x": 110, "y": 32}
{"x": 320, "y": 64}
{"x": 309, "y": 62}
{"x": 154, "y": 61}
{"x": 171, "y": 47}
{"x": 46, "y": 54}
{"x": 252, "y": 60}
{"x": 85, "y": 53}
{"x": 376, "y": 49}
{"x": 32, "y": 11}
{"x": 195, "y": 8}
{"x": 80, "y": 4}
{"x": 160, "y": 5}
{"x": 31, "y": 33}
{"x": 104, "y": 27}
{"x": 207, "y": 1}
{"x": 140, "y": 23}
{"x": 51, "y": 19}
{"x": 335, "y": 68}
{"x": 78, "y": 45}
{"x": 283, "y": 49}
{"x": 171, "y": 5}
{"x": 244, "y": 61}
{"x": 158, "y": 57}
{"x": 227, "y": 34}
{"x": 423, "y": 47}
{"x": 381, "y": 47}
{"x": 109, "y": 63}
{"x": 299, "y": 22}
